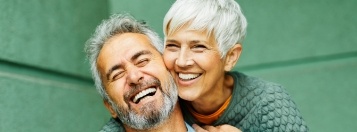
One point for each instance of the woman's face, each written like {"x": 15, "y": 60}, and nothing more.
{"x": 194, "y": 61}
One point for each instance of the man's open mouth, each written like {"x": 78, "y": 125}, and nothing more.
{"x": 143, "y": 94}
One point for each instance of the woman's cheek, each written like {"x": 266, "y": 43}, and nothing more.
{"x": 169, "y": 60}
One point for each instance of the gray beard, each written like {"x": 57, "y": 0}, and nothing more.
{"x": 151, "y": 117}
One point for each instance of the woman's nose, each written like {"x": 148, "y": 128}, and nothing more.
{"x": 184, "y": 59}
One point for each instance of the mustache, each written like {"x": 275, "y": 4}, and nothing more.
{"x": 135, "y": 88}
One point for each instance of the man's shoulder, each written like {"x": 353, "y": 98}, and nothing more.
{"x": 112, "y": 126}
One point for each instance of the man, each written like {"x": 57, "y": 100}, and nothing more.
{"x": 131, "y": 77}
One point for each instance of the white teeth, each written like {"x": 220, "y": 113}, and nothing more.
{"x": 143, "y": 93}
{"x": 188, "y": 76}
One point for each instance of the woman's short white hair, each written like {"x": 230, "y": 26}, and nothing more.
{"x": 223, "y": 18}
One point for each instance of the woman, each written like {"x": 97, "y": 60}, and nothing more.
{"x": 202, "y": 44}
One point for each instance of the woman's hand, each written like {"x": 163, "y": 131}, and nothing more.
{"x": 221, "y": 128}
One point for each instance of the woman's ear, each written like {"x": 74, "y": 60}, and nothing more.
{"x": 110, "y": 109}
{"x": 232, "y": 57}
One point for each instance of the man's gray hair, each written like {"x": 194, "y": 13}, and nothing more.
{"x": 117, "y": 24}
{"x": 221, "y": 18}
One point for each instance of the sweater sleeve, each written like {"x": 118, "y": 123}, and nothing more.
{"x": 279, "y": 112}
{"x": 112, "y": 126}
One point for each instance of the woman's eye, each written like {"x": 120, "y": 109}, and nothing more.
{"x": 199, "y": 47}
{"x": 171, "y": 46}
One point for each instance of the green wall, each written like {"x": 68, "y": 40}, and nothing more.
{"x": 45, "y": 84}
{"x": 311, "y": 48}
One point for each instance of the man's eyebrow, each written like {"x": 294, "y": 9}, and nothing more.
{"x": 136, "y": 55}
{"x": 115, "y": 67}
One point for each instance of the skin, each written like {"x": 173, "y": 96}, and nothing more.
{"x": 194, "y": 52}
{"x": 119, "y": 70}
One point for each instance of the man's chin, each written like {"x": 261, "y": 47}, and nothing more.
{"x": 148, "y": 117}
{"x": 148, "y": 109}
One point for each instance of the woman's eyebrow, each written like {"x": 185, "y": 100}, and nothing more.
{"x": 171, "y": 41}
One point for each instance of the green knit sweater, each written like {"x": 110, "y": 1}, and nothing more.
{"x": 257, "y": 106}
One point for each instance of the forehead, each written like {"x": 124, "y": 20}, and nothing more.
{"x": 187, "y": 33}
{"x": 123, "y": 46}
{"x": 126, "y": 43}
{"x": 188, "y": 26}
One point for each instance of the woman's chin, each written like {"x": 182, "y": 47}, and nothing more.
{"x": 188, "y": 95}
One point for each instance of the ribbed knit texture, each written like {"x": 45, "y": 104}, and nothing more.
{"x": 258, "y": 106}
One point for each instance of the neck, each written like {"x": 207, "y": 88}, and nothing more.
{"x": 209, "y": 104}
{"x": 174, "y": 123}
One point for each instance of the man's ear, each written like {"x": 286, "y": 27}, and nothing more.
{"x": 110, "y": 109}
{"x": 232, "y": 57}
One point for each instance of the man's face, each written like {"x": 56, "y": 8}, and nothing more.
{"x": 141, "y": 91}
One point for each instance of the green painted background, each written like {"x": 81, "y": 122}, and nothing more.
{"x": 308, "y": 46}
{"x": 45, "y": 83}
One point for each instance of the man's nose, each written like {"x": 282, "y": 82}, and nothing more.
{"x": 184, "y": 59}
{"x": 135, "y": 76}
